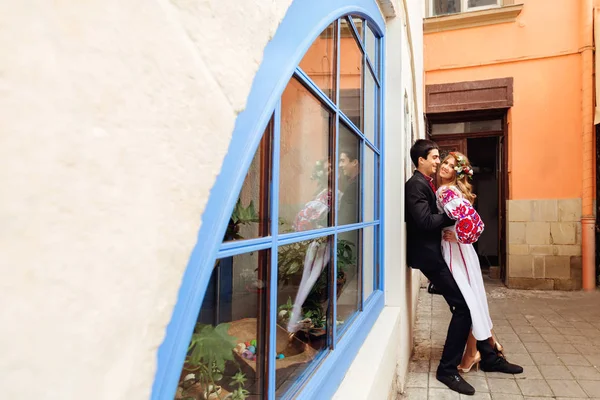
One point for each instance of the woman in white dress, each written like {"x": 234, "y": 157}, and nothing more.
{"x": 455, "y": 198}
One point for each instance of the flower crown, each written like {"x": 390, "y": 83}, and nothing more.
{"x": 462, "y": 167}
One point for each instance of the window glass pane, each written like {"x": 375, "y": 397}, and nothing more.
{"x": 348, "y": 276}
{"x": 250, "y": 216}
{"x": 319, "y": 61}
{"x": 482, "y": 3}
{"x": 371, "y": 46}
{"x": 368, "y": 264}
{"x": 349, "y": 177}
{"x": 303, "y": 307}
{"x": 466, "y": 127}
{"x": 370, "y": 109}
{"x": 441, "y": 7}
{"x": 359, "y": 23}
{"x": 350, "y": 77}
{"x": 305, "y": 180}
{"x": 227, "y": 351}
{"x": 369, "y": 185}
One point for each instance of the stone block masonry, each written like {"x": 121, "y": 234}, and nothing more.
{"x": 544, "y": 244}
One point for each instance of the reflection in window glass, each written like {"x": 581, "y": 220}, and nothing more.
{"x": 368, "y": 263}
{"x": 319, "y": 61}
{"x": 371, "y": 46}
{"x": 305, "y": 167}
{"x": 369, "y": 185}
{"x": 250, "y": 216}
{"x": 441, "y": 7}
{"x": 466, "y": 127}
{"x": 348, "y": 276}
{"x": 482, "y": 3}
{"x": 370, "y": 108}
{"x": 303, "y": 308}
{"x": 349, "y": 177}
{"x": 359, "y": 24}
{"x": 351, "y": 77}
{"x": 226, "y": 351}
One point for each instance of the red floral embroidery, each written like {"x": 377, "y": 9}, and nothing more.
{"x": 469, "y": 225}
{"x": 314, "y": 213}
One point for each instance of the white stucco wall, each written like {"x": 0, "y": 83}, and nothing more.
{"x": 114, "y": 118}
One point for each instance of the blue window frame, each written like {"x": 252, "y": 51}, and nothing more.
{"x": 257, "y": 141}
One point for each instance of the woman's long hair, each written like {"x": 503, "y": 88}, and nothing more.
{"x": 461, "y": 180}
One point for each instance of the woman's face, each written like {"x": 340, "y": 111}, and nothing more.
{"x": 447, "y": 171}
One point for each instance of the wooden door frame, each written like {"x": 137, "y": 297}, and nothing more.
{"x": 467, "y": 116}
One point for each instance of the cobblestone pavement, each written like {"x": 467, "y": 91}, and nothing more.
{"x": 555, "y": 336}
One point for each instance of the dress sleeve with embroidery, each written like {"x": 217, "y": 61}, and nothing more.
{"x": 314, "y": 214}
{"x": 469, "y": 225}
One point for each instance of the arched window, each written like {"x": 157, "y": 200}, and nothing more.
{"x": 298, "y": 275}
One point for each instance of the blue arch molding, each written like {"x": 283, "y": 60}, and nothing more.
{"x": 303, "y": 22}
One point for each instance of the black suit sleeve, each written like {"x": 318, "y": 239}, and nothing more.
{"x": 418, "y": 207}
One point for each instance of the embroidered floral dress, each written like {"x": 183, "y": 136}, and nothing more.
{"x": 462, "y": 258}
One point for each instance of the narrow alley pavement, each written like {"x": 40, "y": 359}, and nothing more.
{"x": 554, "y": 335}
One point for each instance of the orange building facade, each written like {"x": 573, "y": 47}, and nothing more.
{"x": 511, "y": 85}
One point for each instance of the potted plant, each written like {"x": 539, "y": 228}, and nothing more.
{"x": 210, "y": 348}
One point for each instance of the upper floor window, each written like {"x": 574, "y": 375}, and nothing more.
{"x": 444, "y": 7}
{"x": 301, "y": 256}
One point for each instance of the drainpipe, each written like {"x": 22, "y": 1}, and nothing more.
{"x": 587, "y": 106}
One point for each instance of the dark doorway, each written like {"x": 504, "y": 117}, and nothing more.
{"x": 481, "y": 137}
{"x": 483, "y": 154}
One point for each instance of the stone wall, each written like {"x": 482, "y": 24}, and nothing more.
{"x": 544, "y": 244}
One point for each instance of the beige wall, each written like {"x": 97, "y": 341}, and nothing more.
{"x": 544, "y": 250}
{"x": 115, "y": 118}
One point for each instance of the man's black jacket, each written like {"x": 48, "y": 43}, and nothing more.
{"x": 423, "y": 224}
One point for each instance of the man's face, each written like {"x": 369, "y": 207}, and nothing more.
{"x": 429, "y": 165}
{"x": 348, "y": 167}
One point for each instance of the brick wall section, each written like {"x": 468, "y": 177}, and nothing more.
{"x": 544, "y": 244}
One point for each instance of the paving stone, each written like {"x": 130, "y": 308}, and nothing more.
{"x": 564, "y": 348}
{"x": 417, "y": 379}
{"x": 477, "y": 396}
{"x": 534, "y": 387}
{"x": 419, "y": 366}
{"x": 531, "y": 338}
{"x": 551, "y": 334}
{"x": 414, "y": 394}
{"x": 546, "y": 359}
{"x": 504, "y": 396}
{"x": 552, "y": 338}
{"x": 546, "y": 330}
{"x": 478, "y": 382}
{"x": 592, "y": 388}
{"x": 506, "y": 386}
{"x": 573, "y": 359}
{"x": 443, "y": 394}
{"x": 538, "y": 347}
{"x": 555, "y": 372}
{"x": 529, "y": 372}
{"x": 566, "y": 388}
{"x": 585, "y": 373}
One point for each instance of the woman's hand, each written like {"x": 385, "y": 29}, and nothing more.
{"x": 449, "y": 236}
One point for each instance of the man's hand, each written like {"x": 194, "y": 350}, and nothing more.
{"x": 449, "y": 236}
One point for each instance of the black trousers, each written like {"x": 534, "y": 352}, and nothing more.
{"x": 460, "y": 325}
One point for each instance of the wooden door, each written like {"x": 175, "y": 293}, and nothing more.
{"x": 448, "y": 145}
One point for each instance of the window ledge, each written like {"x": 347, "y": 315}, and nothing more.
{"x": 472, "y": 19}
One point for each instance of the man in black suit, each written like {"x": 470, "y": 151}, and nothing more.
{"x": 424, "y": 232}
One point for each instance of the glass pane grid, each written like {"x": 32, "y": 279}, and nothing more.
{"x": 318, "y": 282}
{"x": 314, "y": 89}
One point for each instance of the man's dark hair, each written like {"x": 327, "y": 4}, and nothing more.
{"x": 351, "y": 152}
{"x": 421, "y": 148}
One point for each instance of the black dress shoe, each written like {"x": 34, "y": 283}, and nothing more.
{"x": 501, "y": 365}
{"x": 456, "y": 383}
